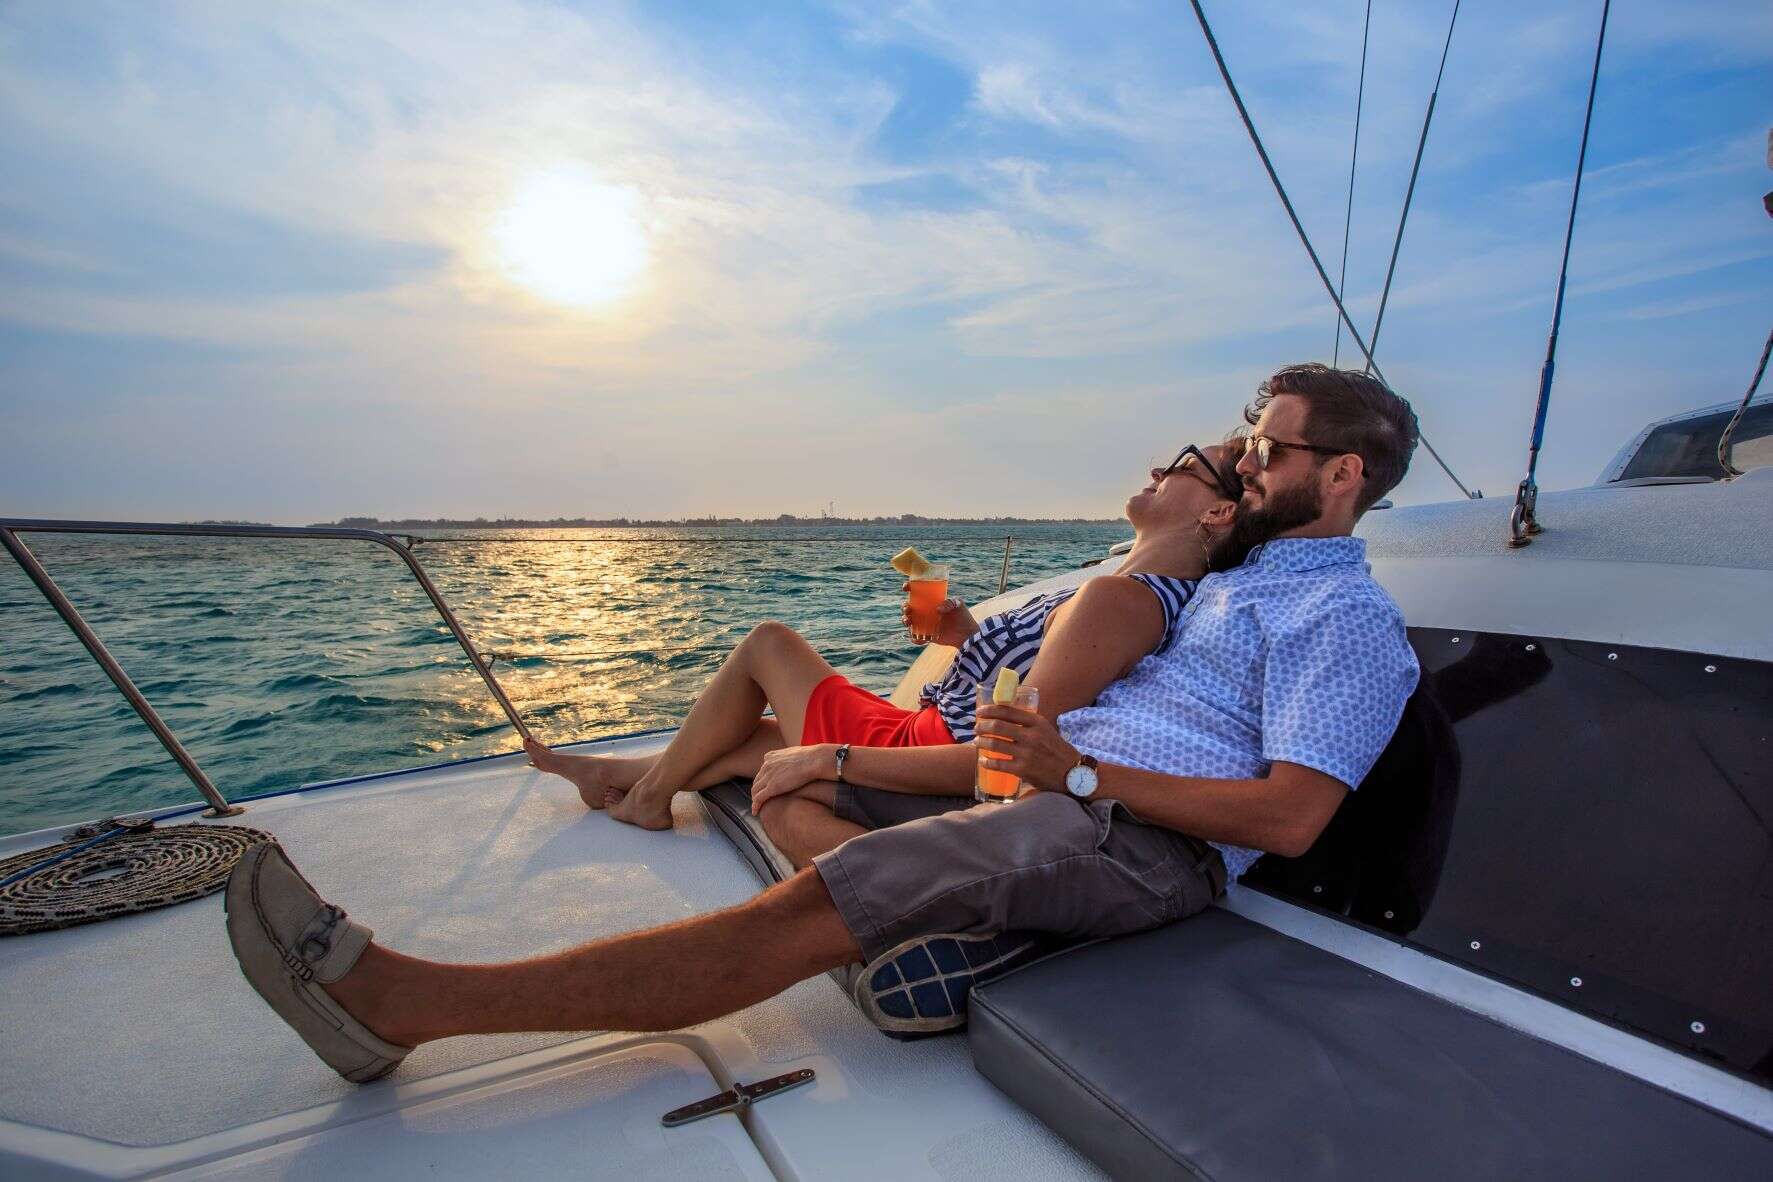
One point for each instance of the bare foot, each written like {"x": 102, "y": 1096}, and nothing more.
{"x": 590, "y": 774}
{"x": 637, "y": 808}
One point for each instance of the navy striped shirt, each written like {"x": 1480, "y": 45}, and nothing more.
{"x": 1010, "y": 640}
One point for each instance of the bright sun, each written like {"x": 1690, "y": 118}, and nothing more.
{"x": 569, "y": 238}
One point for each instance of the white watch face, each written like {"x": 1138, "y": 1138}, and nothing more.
{"x": 1081, "y": 781}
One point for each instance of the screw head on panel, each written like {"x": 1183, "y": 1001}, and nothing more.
{"x": 1475, "y": 945}
{"x": 1697, "y": 1027}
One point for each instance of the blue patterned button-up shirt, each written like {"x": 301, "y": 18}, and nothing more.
{"x": 1297, "y": 656}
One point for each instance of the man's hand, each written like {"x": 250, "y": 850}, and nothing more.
{"x": 954, "y": 623}
{"x": 1036, "y": 752}
{"x": 789, "y": 769}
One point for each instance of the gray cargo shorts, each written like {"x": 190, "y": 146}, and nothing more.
{"x": 1045, "y": 863}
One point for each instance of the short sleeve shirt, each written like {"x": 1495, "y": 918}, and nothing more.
{"x": 1297, "y": 656}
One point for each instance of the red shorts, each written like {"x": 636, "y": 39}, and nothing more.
{"x": 839, "y": 712}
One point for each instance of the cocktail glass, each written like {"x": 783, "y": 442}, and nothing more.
{"x": 927, "y": 591}
{"x": 992, "y": 786}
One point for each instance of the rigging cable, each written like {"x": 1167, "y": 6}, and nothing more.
{"x": 1286, "y": 202}
{"x": 1410, "y": 191}
{"x": 1523, "y": 521}
{"x": 1354, "y": 155}
{"x": 1731, "y": 470}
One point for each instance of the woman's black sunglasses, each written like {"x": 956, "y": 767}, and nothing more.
{"x": 1229, "y": 485}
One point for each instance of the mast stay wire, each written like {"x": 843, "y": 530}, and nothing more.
{"x": 1304, "y": 239}
{"x": 1354, "y": 155}
{"x": 1731, "y": 471}
{"x": 1523, "y": 521}
{"x": 1410, "y": 191}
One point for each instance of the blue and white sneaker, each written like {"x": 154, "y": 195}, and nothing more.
{"x": 921, "y": 986}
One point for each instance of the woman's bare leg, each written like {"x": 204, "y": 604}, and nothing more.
{"x": 773, "y": 666}
{"x": 592, "y": 775}
{"x": 604, "y": 779}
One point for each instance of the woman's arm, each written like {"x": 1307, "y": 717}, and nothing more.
{"x": 1094, "y": 640}
{"x": 916, "y": 771}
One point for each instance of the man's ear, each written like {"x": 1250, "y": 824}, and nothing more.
{"x": 1344, "y": 475}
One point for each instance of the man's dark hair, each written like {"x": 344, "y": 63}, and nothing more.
{"x": 1352, "y": 412}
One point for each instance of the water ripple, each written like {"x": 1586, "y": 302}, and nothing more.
{"x": 280, "y": 665}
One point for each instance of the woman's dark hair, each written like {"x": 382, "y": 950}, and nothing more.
{"x": 1352, "y": 412}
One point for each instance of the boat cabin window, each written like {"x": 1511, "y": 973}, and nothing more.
{"x": 1690, "y": 447}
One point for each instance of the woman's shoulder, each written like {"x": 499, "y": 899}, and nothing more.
{"x": 1112, "y": 593}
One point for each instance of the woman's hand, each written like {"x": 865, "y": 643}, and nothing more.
{"x": 789, "y": 769}
{"x": 1036, "y": 752}
{"x": 954, "y": 623}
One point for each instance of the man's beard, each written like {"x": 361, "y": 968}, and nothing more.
{"x": 1285, "y": 510}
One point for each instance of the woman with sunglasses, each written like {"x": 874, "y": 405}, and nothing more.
{"x": 827, "y": 729}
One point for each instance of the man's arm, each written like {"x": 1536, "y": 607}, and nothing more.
{"x": 1280, "y": 813}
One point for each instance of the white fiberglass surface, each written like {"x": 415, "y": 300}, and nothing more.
{"x": 139, "y": 1032}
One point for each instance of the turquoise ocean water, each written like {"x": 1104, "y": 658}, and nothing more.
{"x": 283, "y": 663}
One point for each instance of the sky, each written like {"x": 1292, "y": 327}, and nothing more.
{"x": 287, "y": 263}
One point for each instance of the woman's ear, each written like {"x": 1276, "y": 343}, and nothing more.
{"x": 1218, "y": 519}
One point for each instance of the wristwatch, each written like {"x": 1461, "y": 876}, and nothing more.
{"x": 1080, "y": 781}
{"x": 843, "y": 753}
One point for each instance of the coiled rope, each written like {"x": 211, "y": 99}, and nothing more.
{"x": 118, "y": 872}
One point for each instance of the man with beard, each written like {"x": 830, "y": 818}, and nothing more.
{"x": 1243, "y": 735}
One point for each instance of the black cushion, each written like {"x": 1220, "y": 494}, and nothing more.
{"x": 1379, "y": 859}
{"x": 1218, "y": 1048}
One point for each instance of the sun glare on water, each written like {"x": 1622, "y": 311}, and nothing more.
{"x": 571, "y": 239}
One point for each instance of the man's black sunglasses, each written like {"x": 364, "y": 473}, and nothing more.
{"x": 1263, "y": 448}
{"x": 1229, "y": 485}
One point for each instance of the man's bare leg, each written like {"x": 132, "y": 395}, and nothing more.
{"x": 773, "y": 666}
{"x": 603, "y": 779}
{"x": 660, "y": 979}
{"x": 803, "y": 826}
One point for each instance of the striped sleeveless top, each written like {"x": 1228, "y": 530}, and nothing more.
{"x": 1010, "y": 640}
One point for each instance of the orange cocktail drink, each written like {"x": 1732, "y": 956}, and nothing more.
{"x": 991, "y": 786}
{"x": 927, "y": 590}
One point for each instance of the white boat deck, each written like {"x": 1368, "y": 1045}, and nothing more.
{"x": 133, "y": 1047}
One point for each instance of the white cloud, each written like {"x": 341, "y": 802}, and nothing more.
{"x": 1145, "y": 247}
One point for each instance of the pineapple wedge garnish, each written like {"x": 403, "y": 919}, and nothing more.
{"x": 1004, "y": 691}
{"x": 910, "y": 563}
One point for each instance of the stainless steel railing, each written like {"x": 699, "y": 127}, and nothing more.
{"x": 11, "y": 527}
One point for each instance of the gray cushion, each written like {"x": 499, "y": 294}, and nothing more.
{"x": 1218, "y": 1048}
{"x": 728, "y": 805}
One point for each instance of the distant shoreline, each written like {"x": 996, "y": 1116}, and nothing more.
{"x": 690, "y": 523}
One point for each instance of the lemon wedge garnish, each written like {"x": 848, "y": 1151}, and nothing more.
{"x": 910, "y": 563}
{"x": 1004, "y": 692}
